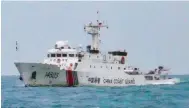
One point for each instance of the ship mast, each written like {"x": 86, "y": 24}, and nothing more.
{"x": 93, "y": 29}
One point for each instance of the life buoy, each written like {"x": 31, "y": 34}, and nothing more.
{"x": 122, "y": 60}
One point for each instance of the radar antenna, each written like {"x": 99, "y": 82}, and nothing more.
{"x": 94, "y": 30}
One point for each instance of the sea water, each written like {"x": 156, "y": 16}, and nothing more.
{"x": 15, "y": 95}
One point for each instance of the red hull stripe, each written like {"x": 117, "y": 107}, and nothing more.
{"x": 70, "y": 78}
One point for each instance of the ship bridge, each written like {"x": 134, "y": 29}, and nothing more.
{"x": 61, "y": 53}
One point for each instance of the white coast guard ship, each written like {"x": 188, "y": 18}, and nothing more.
{"x": 66, "y": 66}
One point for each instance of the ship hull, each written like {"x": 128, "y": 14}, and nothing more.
{"x": 38, "y": 74}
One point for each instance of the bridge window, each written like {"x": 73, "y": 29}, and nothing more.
{"x": 71, "y": 55}
{"x": 48, "y": 55}
{"x": 76, "y": 55}
{"x": 132, "y": 73}
{"x": 52, "y": 55}
{"x": 148, "y": 77}
{"x": 111, "y": 67}
{"x": 118, "y": 68}
{"x": 156, "y": 78}
{"x": 58, "y": 55}
{"x": 64, "y": 55}
{"x": 118, "y": 53}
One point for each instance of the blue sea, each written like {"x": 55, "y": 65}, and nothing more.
{"x": 15, "y": 95}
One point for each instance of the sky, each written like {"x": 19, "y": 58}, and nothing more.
{"x": 153, "y": 33}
